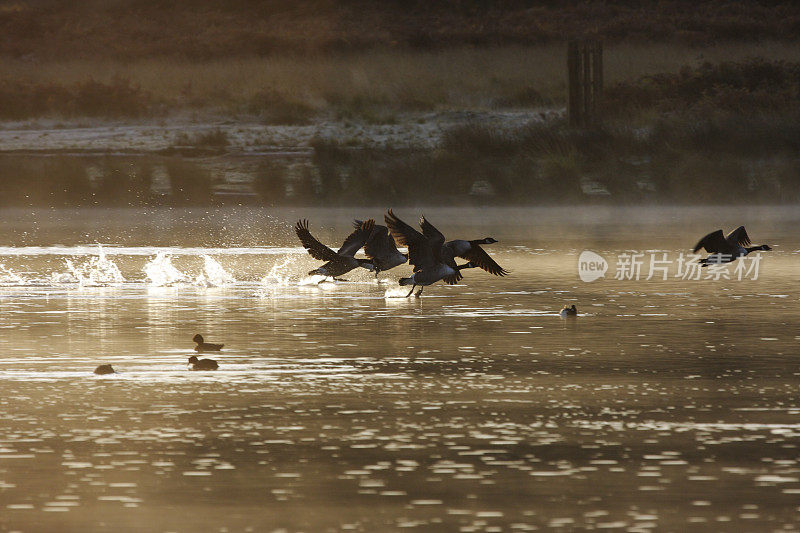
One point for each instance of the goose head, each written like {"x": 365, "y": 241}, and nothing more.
{"x": 489, "y": 240}
{"x": 193, "y": 360}
{"x": 765, "y": 247}
{"x": 198, "y": 339}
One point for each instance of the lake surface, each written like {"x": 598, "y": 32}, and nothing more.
{"x": 667, "y": 405}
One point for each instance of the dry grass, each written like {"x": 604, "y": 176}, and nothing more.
{"x": 362, "y": 82}
{"x": 136, "y": 29}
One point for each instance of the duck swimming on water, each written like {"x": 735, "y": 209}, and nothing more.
{"x": 569, "y": 311}
{"x": 205, "y": 346}
{"x": 202, "y": 364}
{"x": 103, "y": 370}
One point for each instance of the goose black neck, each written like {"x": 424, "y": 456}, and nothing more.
{"x": 756, "y": 248}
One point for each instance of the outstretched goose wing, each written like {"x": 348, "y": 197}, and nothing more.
{"x": 478, "y": 256}
{"x": 420, "y": 253}
{"x": 380, "y": 244}
{"x": 714, "y": 243}
{"x": 434, "y": 235}
{"x": 316, "y": 249}
{"x": 356, "y": 240}
{"x": 738, "y": 237}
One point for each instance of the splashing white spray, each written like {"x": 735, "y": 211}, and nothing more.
{"x": 398, "y": 292}
{"x": 7, "y": 277}
{"x": 278, "y": 276}
{"x": 98, "y": 271}
{"x": 160, "y": 272}
{"x": 213, "y": 275}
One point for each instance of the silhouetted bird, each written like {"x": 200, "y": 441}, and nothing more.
{"x": 381, "y": 249}
{"x": 205, "y": 346}
{"x": 202, "y": 364}
{"x": 341, "y": 262}
{"x": 472, "y": 252}
{"x": 104, "y": 369}
{"x": 569, "y": 311}
{"x": 432, "y": 261}
{"x": 727, "y": 249}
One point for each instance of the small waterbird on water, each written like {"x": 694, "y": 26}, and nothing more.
{"x": 104, "y": 369}
{"x": 569, "y": 311}
{"x": 202, "y": 364}
{"x": 205, "y": 346}
{"x": 726, "y": 249}
{"x": 342, "y": 261}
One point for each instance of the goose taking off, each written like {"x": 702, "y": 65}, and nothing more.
{"x": 381, "y": 249}
{"x": 432, "y": 261}
{"x": 472, "y": 252}
{"x": 341, "y": 262}
{"x": 469, "y": 250}
{"x": 726, "y": 249}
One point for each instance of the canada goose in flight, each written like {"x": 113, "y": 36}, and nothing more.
{"x": 469, "y": 250}
{"x": 381, "y": 249}
{"x": 569, "y": 311}
{"x": 432, "y": 261}
{"x": 429, "y": 276}
{"x": 205, "y": 346}
{"x": 202, "y": 364}
{"x": 341, "y": 262}
{"x": 472, "y": 252}
{"x": 726, "y": 249}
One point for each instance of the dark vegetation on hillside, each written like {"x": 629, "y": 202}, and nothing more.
{"x": 725, "y": 132}
{"x": 728, "y": 132}
{"x": 716, "y": 132}
{"x": 202, "y": 29}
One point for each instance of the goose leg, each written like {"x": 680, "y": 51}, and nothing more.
{"x": 320, "y": 282}
{"x": 420, "y": 291}
{"x": 412, "y": 290}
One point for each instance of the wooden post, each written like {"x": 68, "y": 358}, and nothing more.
{"x": 586, "y": 88}
{"x": 584, "y": 81}
{"x": 597, "y": 79}
{"x": 574, "y": 84}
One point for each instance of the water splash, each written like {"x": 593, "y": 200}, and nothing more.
{"x": 98, "y": 271}
{"x": 278, "y": 276}
{"x": 8, "y": 277}
{"x": 213, "y": 275}
{"x": 398, "y": 292}
{"x": 160, "y": 272}
{"x": 315, "y": 280}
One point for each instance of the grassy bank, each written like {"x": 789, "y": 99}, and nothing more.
{"x": 727, "y": 132}
{"x": 715, "y": 133}
{"x": 372, "y": 85}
